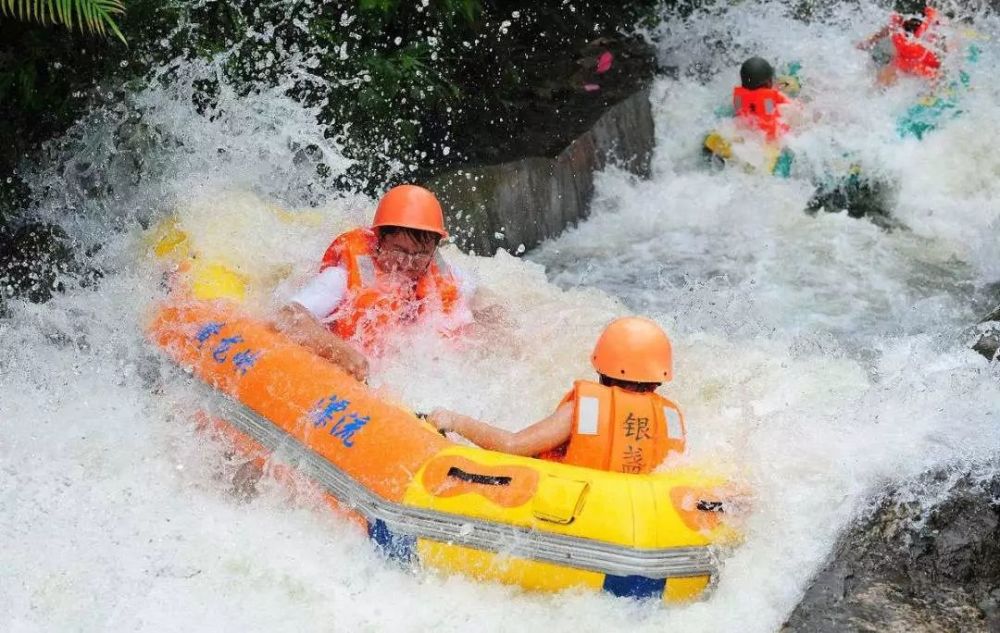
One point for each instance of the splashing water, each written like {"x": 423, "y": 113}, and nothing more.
{"x": 822, "y": 357}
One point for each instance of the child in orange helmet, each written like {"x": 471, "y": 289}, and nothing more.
{"x": 618, "y": 424}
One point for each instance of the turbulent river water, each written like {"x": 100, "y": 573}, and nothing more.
{"x": 817, "y": 358}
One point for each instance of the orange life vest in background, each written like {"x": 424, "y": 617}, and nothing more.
{"x": 374, "y": 304}
{"x": 759, "y": 109}
{"x": 912, "y": 51}
{"x": 618, "y": 430}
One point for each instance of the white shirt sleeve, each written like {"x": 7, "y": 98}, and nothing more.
{"x": 323, "y": 293}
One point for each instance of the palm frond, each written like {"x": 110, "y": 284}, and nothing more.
{"x": 93, "y": 16}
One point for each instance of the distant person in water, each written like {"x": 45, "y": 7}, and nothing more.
{"x": 761, "y": 104}
{"x": 756, "y": 102}
{"x": 917, "y": 45}
{"x": 618, "y": 423}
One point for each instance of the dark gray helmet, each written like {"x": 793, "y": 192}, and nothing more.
{"x": 756, "y": 73}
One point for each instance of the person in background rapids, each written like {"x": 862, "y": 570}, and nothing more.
{"x": 917, "y": 44}
{"x": 762, "y": 105}
{"x": 757, "y": 104}
{"x": 618, "y": 424}
{"x": 373, "y": 279}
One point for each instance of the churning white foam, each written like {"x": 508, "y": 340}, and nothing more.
{"x": 819, "y": 357}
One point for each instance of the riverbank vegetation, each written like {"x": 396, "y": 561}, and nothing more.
{"x": 404, "y": 87}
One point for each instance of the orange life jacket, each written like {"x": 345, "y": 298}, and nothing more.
{"x": 759, "y": 109}
{"x": 618, "y": 430}
{"x": 374, "y": 304}
{"x": 912, "y": 51}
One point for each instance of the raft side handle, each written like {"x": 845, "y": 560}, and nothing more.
{"x": 477, "y": 478}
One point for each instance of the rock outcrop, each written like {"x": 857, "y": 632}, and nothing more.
{"x": 915, "y": 565}
{"x": 515, "y": 205}
{"x": 34, "y": 260}
{"x": 989, "y": 342}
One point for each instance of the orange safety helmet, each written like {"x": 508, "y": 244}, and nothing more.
{"x": 411, "y": 207}
{"x": 634, "y": 349}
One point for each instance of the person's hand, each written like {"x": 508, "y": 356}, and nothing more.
{"x": 869, "y": 42}
{"x": 343, "y": 355}
{"x": 443, "y": 419}
{"x": 353, "y": 362}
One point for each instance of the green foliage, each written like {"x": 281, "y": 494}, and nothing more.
{"x": 94, "y": 16}
{"x": 383, "y": 73}
{"x": 403, "y": 85}
{"x": 469, "y": 10}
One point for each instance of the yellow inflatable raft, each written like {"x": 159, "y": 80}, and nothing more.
{"x": 534, "y": 523}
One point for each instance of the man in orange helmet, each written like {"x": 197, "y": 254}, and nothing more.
{"x": 373, "y": 279}
{"x": 618, "y": 424}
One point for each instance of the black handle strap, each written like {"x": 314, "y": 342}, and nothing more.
{"x": 476, "y": 478}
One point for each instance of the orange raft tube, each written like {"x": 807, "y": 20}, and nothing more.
{"x": 525, "y": 521}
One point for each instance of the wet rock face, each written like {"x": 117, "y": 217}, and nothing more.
{"x": 34, "y": 260}
{"x": 989, "y": 343}
{"x": 912, "y": 567}
{"x": 31, "y": 260}
{"x": 859, "y": 197}
{"x": 516, "y": 205}
{"x": 564, "y": 92}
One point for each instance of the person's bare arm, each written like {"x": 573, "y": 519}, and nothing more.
{"x": 295, "y": 322}
{"x": 885, "y": 31}
{"x": 541, "y": 436}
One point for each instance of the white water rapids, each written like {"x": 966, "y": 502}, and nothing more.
{"x": 818, "y": 358}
